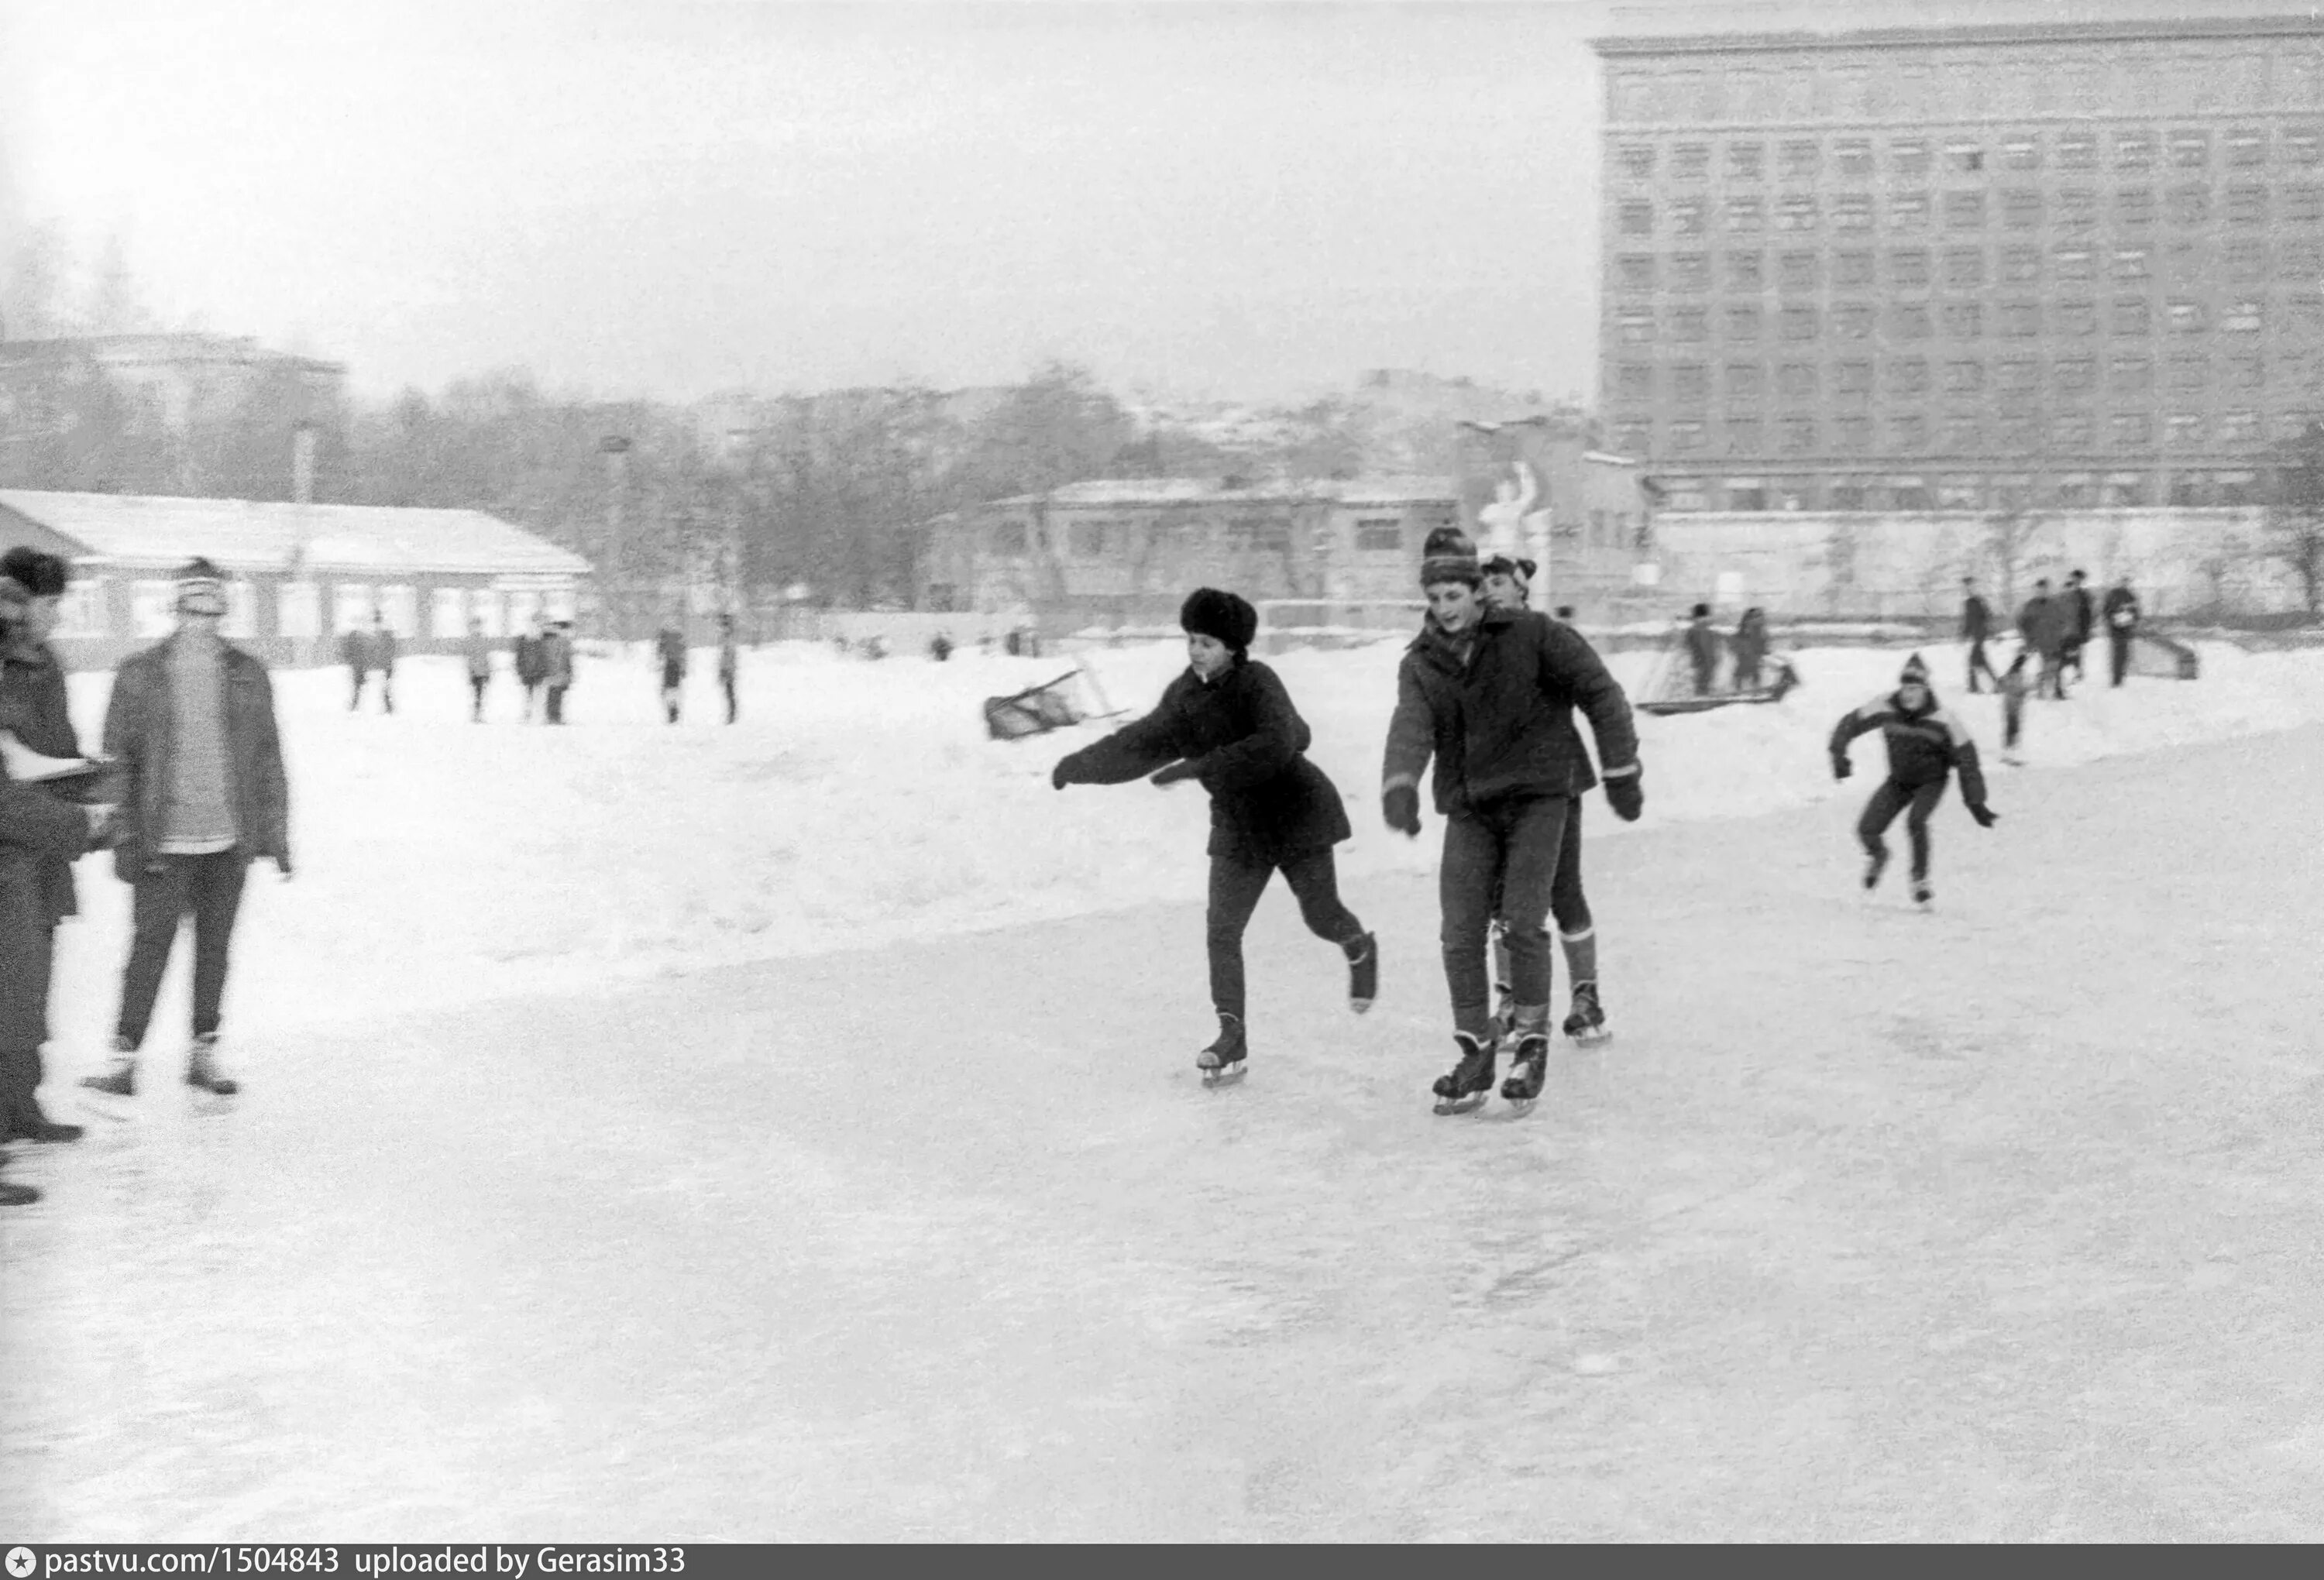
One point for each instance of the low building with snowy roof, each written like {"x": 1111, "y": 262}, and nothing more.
{"x": 298, "y": 576}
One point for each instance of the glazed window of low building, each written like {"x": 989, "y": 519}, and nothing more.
{"x": 2076, "y": 375}
{"x": 1851, "y": 321}
{"x": 2131, "y": 374}
{"x": 2133, "y": 205}
{"x": 1957, "y": 491}
{"x": 2246, "y": 146}
{"x": 1848, "y": 494}
{"x": 2128, "y": 315}
{"x": 1686, "y": 216}
{"x": 1690, "y": 382}
{"x": 2021, "y": 265}
{"x": 1745, "y": 161}
{"x": 1635, "y": 270}
{"x": 2128, "y": 428}
{"x": 2246, "y": 372}
{"x": 2125, "y": 490}
{"x": 2190, "y": 150}
{"x": 1742, "y": 321}
{"x": 1796, "y": 211}
{"x": 1746, "y": 270}
{"x": 1964, "y": 211}
{"x": 2183, "y": 429}
{"x": 1635, "y": 326}
{"x": 2077, "y": 150}
{"x": 2018, "y": 374}
{"x": 1686, "y": 435}
{"x": 2071, "y": 429}
{"x": 1746, "y": 215}
{"x": 1796, "y": 435}
{"x": 1796, "y": 381}
{"x": 2243, "y": 318}
{"x": 2189, "y": 204}
{"x": 2303, "y": 205}
{"x": 1745, "y": 380}
{"x": 1964, "y": 377}
{"x": 2185, "y": 317}
{"x": 1908, "y": 267}
{"x": 2021, "y": 151}
{"x": 2302, "y": 145}
{"x": 1851, "y": 269}
{"x": 1908, "y": 375}
{"x": 1634, "y": 161}
{"x": 1964, "y": 154}
{"x": 2072, "y": 488}
{"x": 1798, "y": 271}
{"x": 1908, "y": 211}
{"x": 2021, "y": 319}
{"x": 1690, "y": 161}
{"x": 1799, "y": 159}
{"x": 1852, "y": 156}
{"x": 2239, "y": 427}
{"x": 2133, "y": 151}
{"x": 1633, "y": 436}
{"x": 1798, "y": 323}
{"x": 1635, "y": 381}
{"x": 1743, "y": 436}
{"x": 1682, "y": 493}
{"x": 2077, "y": 209}
{"x": 2247, "y": 205}
{"x": 1852, "y": 211}
{"x": 1636, "y": 218}
{"x": 1852, "y": 378}
{"x": 1964, "y": 267}
{"x": 1379, "y": 534}
{"x": 1009, "y": 539}
{"x": 2130, "y": 262}
{"x": 1690, "y": 324}
{"x": 2189, "y": 371}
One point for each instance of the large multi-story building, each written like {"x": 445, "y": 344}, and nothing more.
{"x": 1980, "y": 267}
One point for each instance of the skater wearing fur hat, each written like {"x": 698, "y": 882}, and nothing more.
{"x": 1489, "y": 693}
{"x": 1228, "y": 723}
{"x": 1926, "y": 744}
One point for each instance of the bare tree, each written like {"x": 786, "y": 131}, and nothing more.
{"x": 2295, "y": 514}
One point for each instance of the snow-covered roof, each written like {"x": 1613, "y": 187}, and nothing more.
{"x": 253, "y": 535}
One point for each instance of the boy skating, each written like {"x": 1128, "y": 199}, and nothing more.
{"x": 1926, "y": 745}
{"x": 1488, "y": 694}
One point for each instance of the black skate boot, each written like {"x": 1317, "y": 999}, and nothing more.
{"x": 1529, "y": 1070}
{"x": 27, "y": 1122}
{"x": 17, "y": 1195}
{"x": 1363, "y": 971}
{"x": 1587, "y": 1023}
{"x": 1922, "y": 895}
{"x": 1222, "y": 1061}
{"x": 120, "y": 1077}
{"x": 1471, "y": 1082}
{"x": 202, "y": 1070}
{"x": 1874, "y": 867}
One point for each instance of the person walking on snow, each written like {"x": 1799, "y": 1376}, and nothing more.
{"x": 2121, "y": 615}
{"x": 1488, "y": 694}
{"x": 557, "y": 666}
{"x": 1703, "y": 649}
{"x": 670, "y": 647}
{"x": 2015, "y": 685}
{"x": 479, "y": 649}
{"x": 1228, "y": 722}
{"x": 1975, "y": 627}
{"x": 727, "y": 664}
{"x": 2082, "y": 620}
{"x": 1926, "y": 745}
{"x": 532, "y": 663}
{"x": 192, "y": 724}
{"x": 1507, "y": 584}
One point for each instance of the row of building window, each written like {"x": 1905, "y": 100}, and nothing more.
{"x": 299, "y": 609}
{"x": 1690, "y": 382}
{"x": 2019, "y": 208}
{"x": 1744, "y": 321}
{"x": 1099, "y": 538}
{"x": 1966, "y": 433}
{"x": 1966, "y": 490}
{"x": 1956, "y": 268}
{"x": 1752, "y": 159}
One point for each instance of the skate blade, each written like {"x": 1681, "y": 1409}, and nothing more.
{"x": 1230, "y": 1076}
{"x": 1591, "y": 1039}
{"x": 1521, "y": 1106}
{"x": 1468, "y": 1105}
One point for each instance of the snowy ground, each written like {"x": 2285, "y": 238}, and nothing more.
{"x": 787, "y": 1131}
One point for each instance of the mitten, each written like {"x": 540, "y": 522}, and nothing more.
{"x": 1841, "y": 768}
{"x": 1183, "y": 768}
{"x": 1401, "y": 807}
{"x": 1058, "y": 778}
{"x": 1626, "y": 794}
{"x": 1986, "y": 816}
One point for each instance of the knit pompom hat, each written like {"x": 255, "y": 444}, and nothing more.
{"x": 1223, "y": 616}
{"x": 1448, "y": 556}
{"x": 1915, "y": 672}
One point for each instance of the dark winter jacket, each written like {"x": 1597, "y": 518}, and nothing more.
{"x": 1924, "y": 744}
{"x": 35, "y": 707}
{"x": 670, "y": 647}
{"x": 532, "y": 662}
{"x": 557, "y": 660}
{"x": 1495, "y": 708}
{"x": 138, "y": 721}
{"x": 37, "y": 832}
{"x": 1243, "y": 740}
{"x": 1976, "y": 620}
{"x": 2044, "y": 624}
{"x": 2080, "y": 614}
{"x": 1702, "y": 646}
{"x": 2121, "y": 611}
{"x": 1751, "y": 642}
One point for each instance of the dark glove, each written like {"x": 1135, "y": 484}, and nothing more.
{"x": 1183, "y": 768}
{"x": 1626, "y": 794}
{"x": 1986, "y": 816}
{"x": 1840, "y": 770}
{"x": 1058, "y": 779}
{"x": 1401, "y": 807}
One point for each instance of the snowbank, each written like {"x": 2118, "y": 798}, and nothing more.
{"x": 858, "y": 802}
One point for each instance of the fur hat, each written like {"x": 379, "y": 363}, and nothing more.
{"x": 1448, "y": 556}
{"x": 201, "y": 588}
{"x": 1519, "y": 570}
{"x": 1209, "y": 612}
{"x": 43, "y": 575}
{"x": 1915, "y": 672}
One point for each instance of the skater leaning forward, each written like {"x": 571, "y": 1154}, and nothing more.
{"x": 1489, "y": 693}
{"x": 1228, "y": 722}
{"x": 1925, "y": 745}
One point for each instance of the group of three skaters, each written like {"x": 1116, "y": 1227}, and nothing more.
{"x": 1487, "y": 690}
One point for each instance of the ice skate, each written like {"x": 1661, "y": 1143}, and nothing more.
{"x": 1221, "y": 1063}
{"x": 1471, "y": 1082}
{"x": 1528, "y": 1073}
{"x": 1363, "y": 971}
{"x": 17, "y": 1195}
{"x": 202, "y": 1070}
{"x": 120, "y": 1077}
{"x": 1874, "y": 865}
{"x": 29, "y": 1123}
{"x": 1586, "y": 1024}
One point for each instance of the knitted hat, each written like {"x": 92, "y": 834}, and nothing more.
{"x": 1448, "y": 556}
{"x": 201, "y": 588}
{"x": 43, "y": 575}
{"x": 1209, "y": 612}
{"x": 1915, "y": 672}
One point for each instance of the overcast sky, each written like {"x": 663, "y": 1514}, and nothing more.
{"x": 674, "y": 199}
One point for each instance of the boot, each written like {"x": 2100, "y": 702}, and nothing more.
{"x": 1223, "y": 1059}
{"x": 1874, "y": 867}
{"x": 27, "y": 1122}
{"x": 120, "y": 1078}
{"x": 17, "y": 1195}
{"x": 1363, "y": 971}
{"x": 202, "y": 1070}
{"x": 1470, "y": 1080}
{"x": 21, "y": 1118}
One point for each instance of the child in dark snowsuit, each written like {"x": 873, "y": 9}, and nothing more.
{"x": 1228, "y": 722}
{"x": 1925, "y": 745}
{"x": 2014, "y": 685}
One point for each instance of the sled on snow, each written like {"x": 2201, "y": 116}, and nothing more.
{"x": 1051, "y": 705}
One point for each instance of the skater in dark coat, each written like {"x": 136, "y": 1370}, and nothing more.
{"x": 2044, "y": 625}
{"x": 1488, "y": 694}
{"x": 1976, "y": 629}
{"x": 670, "y": 647}
{"x": 2082, "y": 620}
{"x": 532, "y": 663}
{"x": 1703, "y": 649}
{"x": 1750, "y": 649}
{"x": 1926, "y": 745}
{"x": 2121, "y": 614}
{"x": 1228, "y": 722}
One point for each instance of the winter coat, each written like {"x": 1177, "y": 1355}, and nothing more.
{"x": 672, "y": 649}
{"x": 1496, "y": 712}
{"x": 383, "y": 649}
{"x": 557, "y": 660}
{"x": 1976, "y": 620}
{"x": 38, "y": 833}
{"x": 2080, "y": 614}
{"x": 726, "y": 659}
{"x": 1702, "y": 645}
{"x": 1751, "y": 642}
{"x": 532, "y": 662}
{"x": 2121, "y": 609}
{"x": 1245, "y": 743}
{"x": 2043, "y": 622}
{"x": 35, "y": 706}
{"x": 138, "y": 721}
{"x": 480, "y": 657}
{"x": 1924, "y": 744}
{"x": 354, "y": 652}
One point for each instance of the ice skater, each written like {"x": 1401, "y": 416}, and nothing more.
{"x": 1489, "y": 693}
{"x": 2016, "y": 682}
{"x": 1926, "y": 745}
{"x": 1228, "y": 722}
{"x": 670, "y": 647}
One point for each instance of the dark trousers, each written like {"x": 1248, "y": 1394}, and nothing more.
{"x": 386, "y": 691}
{"x": 2013, "y": 719}
{"x": 1502, "y": 856}
{"x": 25, "y": 1016}
{"x": 556, "y": 703}
{"x": 476, "y": 683}
{"x": 2051, "y": 682}
{"x": 2118, "y": 654}
{"x": 733, "y": 707}
{"x": 1978, "y": 664}
{"x": 209, "y": 889}
{"x": 1568, "y": 906}
{"x": 2070, "y": 658}
{"x": 1881, "y": 811}
{"x": 1235, "y": 888}
{"x": 531, "y": 698}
